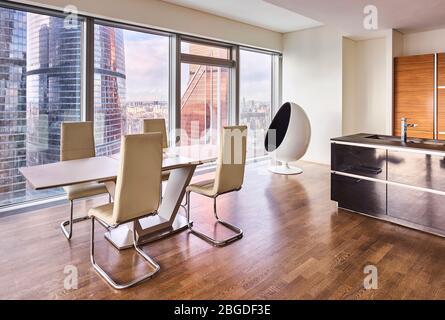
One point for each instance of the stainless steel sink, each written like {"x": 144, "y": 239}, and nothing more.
{"x": 411, "y": 140}
{"x": 386, "y": 138}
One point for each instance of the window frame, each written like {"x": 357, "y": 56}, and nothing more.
{"x": 276, "y": 92}
{"x": 175, "y": 60}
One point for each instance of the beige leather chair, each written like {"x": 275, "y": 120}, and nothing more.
{"x": 158, "y": 125}
{"x": 136, "y": 195}
{"x": 77, "y": 142}
{"x": 229, "y": 177}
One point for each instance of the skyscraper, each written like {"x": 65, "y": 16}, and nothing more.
{"x": 12, "y": 102}
{"x": 40, "y": 87}
{"x": 53, "y": 84}
{"x": 204, "y": 102}
{"x": 109, "y": 88}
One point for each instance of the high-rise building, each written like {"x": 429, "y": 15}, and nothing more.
{"x": 40, "y": 87}
{"x": 109, "y": 88}
{"x": 53, "y": 84}
{"x": 204, "y": 102}
{"x": 12, "y": 103}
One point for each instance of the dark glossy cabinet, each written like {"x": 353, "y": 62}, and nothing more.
{"x": 417, "y": 169}
{"x": 405, "y": 204}
{"x": 368, "y": 162}
{"x": 359, "y": 195}
{"x": 420, "y": 207}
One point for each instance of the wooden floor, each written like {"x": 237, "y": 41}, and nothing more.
{"x": 297, "y": 245}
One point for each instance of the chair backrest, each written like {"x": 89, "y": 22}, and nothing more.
{"x": 231, "y": 159}
{"x": 76, "y": 140}
{"x": 157, "y": 125}
{"x": 138, "y": 186}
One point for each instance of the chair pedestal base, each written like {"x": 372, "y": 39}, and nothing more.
{"x": 285, "y": 169}
{"x": 122, "y": 237}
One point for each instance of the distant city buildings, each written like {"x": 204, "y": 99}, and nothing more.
{"x": 135, "y": 111}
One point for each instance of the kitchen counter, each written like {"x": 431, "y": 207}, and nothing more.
{"x": 382, "y": 177}
{"x": 429, "y": 146}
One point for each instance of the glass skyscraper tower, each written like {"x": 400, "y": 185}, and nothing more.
{"x": 40, "y": 87}
{"x": 53, "y": 84}
{"x": 12, "y": 102}
{"x": 109, "y": 88}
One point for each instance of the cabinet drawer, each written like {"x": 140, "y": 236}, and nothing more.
{"x": 359, "y": 195}
{"x": 361, "y": 161}
{"x": 423, "y": 208}
{"x": 416, "y": 169}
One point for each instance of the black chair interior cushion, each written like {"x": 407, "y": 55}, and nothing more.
{"x": 280, "y": 123}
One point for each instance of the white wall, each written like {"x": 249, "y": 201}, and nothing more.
{"x": 424, "y": 42}
{"x": 349, "y": 87}
{"x": 169, "y": 17}
{"x": 312, "y": 78}
{"x": 365, "y": 89}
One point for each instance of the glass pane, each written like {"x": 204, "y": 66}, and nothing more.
{"x": 205, "y": 50}
{"x": 130, "y": 83}
{"x": 255, "y": 98}
{"x": 204, "y": 103}
{"x": 40, "y": 83}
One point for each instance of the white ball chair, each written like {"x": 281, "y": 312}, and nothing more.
{"x": 288, "y": 138}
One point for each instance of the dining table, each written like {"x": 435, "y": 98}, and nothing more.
{"x": 180, "y": 161}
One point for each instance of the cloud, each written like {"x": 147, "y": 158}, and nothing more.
{"x": 146, "y": 64}
{"x": 255, "y": 76}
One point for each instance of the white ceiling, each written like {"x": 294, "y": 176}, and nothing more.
{"x": 347, "y": 15}
{"x": 255, "y": 12}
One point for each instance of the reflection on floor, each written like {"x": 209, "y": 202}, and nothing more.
{"x": 296, "y": 245}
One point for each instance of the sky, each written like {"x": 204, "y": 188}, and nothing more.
{"x": 146, "y": 64}
{"x": 147, "y": 59}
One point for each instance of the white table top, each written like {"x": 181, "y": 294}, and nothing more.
{"x": 104, "y": 168}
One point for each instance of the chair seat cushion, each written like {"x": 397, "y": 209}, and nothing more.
{"x": 165, "y": 175}
{"x": 104, "y": 213}
{"x": 203, "y": 187}
{"x": 84, "y": 190}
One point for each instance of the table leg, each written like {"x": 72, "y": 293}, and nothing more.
{"x": 166, "y": 222}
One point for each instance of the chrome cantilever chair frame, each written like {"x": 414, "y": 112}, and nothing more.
{"x": 105, "y": 275}
{"x": 214, "y": 242}
{"x": 72, "y": 220}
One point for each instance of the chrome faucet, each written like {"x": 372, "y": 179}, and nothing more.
{"x": 404, "y": 128}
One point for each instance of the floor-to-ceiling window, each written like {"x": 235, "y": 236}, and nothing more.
{"x": 132, "y": 73}
{"x": 131, "y": 83}
{"x": 40, "y": 86}
{"x": 205, "y": 92}
{"x": 256, "y": 95}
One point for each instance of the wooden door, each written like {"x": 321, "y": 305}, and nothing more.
{"x": 414, "y": 94}
{"x": 441, "y": 96}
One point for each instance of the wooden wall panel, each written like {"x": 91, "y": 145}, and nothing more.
{"x": 441, "y": 95}
{"x": 414, "y": 94}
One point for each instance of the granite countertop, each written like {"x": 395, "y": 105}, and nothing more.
{"x": 393, "y": 141}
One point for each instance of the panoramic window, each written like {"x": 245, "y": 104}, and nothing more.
{"x": 131, "y": 83}
{"x": 40, "y": 81}
{"x": 41, "y": 64}
{"x": 255, "y": 98}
